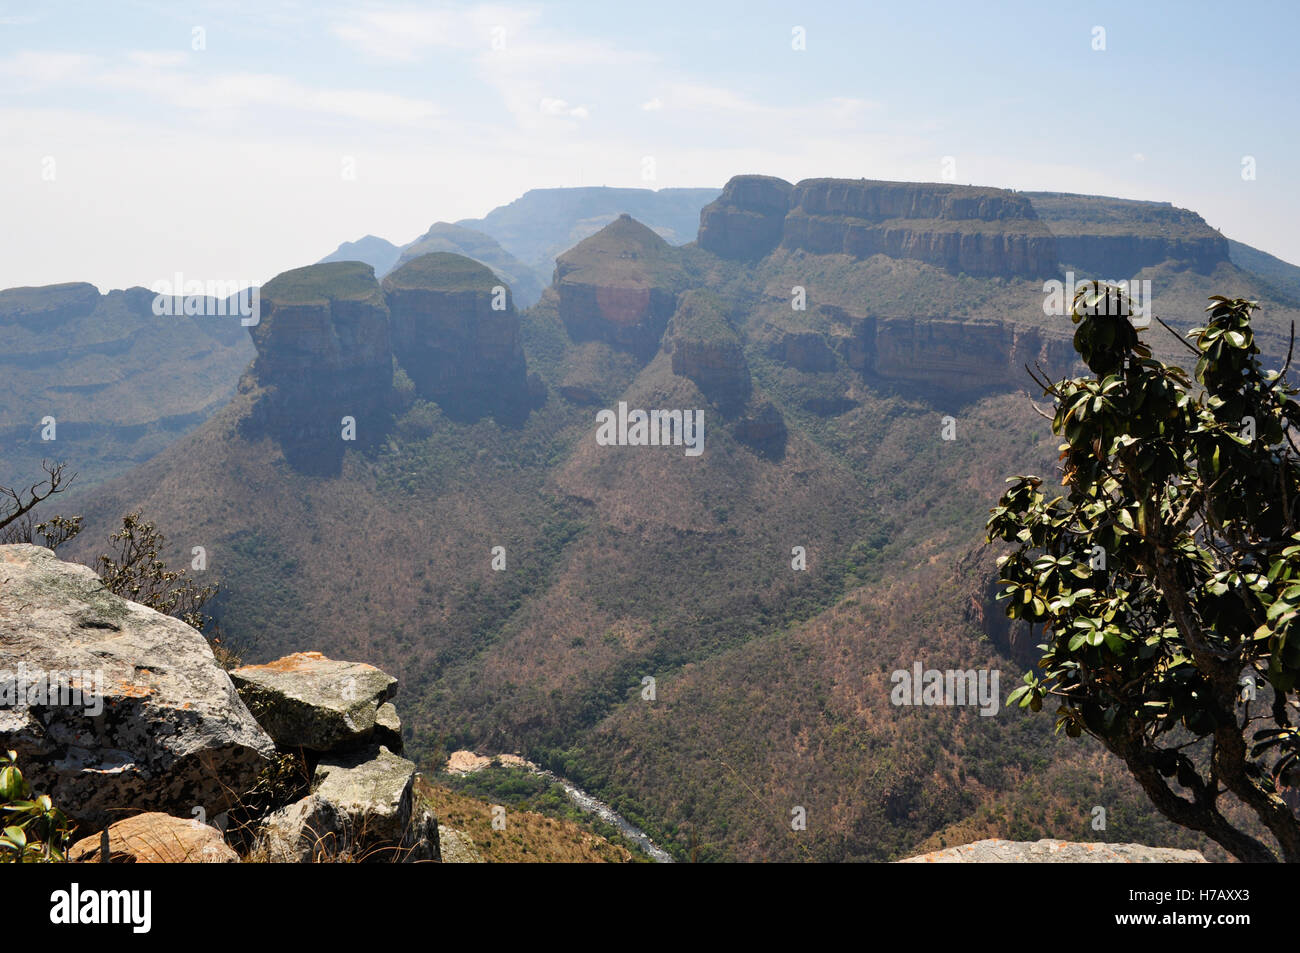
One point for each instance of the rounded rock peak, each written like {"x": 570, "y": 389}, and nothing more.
{"x": 443, "y": 271}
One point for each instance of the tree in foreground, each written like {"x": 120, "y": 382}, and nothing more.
{"x": 1166, "y": 575}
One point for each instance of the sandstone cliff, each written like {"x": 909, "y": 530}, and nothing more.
{"x": 455, "y": 332}
{"x": 747, "y": 219}
{"x": 329, "y": 335}
{"x": 955, "y": 356}
{"x": 323, "y": 354}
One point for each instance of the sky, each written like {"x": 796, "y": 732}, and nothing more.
{"x": 233, "y": 141}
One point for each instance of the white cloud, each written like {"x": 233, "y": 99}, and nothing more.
{"x": 163, "y": 76}
{"x": 558, "y": 107}
{"x": 653, "y": 105}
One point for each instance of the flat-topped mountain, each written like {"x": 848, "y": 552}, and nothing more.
{"x": 1114, "y": 238}
{"x": 980, "y": 231}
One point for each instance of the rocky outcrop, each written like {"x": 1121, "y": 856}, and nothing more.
{"x": 361, "y": 804}
{"x": 1113, "y": 239}
{"x": 306, "y": 700}
{"x": 362, "y": 807}
{"x": 747, "y": 220}
{"x": 112, "y": 707}
{"x": 761, "y": 428}
{"x": 802, "y": 348}
{"x": 456, "y": 333}
{"x": 458, "y": 847}
{"x": 1056, "y": 852}
{"x": 705, "y": 348}
{"x": 962, "y": 356}
{"x": 619, "y": 286}
{"x": 329, "y": 334}
{"x": 155, "y": 838}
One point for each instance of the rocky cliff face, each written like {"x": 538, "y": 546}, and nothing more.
{"x": 619, "y": 286}
{"x": 979, "y": 231}
{"x": 954, "y": 356}
{"x": 1113, "y": 239}
{"x": 455, "y": 332}
{"x": 746, "y": 221}
{"x": 706, "y": 349}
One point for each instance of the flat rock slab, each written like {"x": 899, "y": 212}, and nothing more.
{"x": 306, "y": 700}
{"x": 155, "y": 838}
{"x": 1056, "y": 852}
{"x": 112, "y": 707}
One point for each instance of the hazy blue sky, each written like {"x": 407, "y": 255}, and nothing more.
{"x": 128, "y": 154}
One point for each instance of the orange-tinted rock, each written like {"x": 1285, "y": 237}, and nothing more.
{"x": 155, "y": 838}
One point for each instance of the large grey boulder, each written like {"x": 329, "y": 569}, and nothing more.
{"x": 1056, "y": 852}
{"x": 362, "y": 807}
{"x": 112, "y": 707}
{"x": 306, "y": 700}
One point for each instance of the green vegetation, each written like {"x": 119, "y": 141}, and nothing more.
{"x": 700, "y": 316}
{"x": 32, "y": 829}
{"x": 1167, "y": 576}
{"x": 1068, "y": 214}
{"x": 443, "y": 271}
{"x": 320, "y": 284}
{"x": 522, "y": 790}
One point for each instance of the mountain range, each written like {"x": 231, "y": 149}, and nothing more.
{"x": 708, "y": 642}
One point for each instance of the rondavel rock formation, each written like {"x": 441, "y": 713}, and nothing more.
{"x": 620, "y": 286}
{"x": 330, "y": 334}
{"x": 124, "y": 717}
